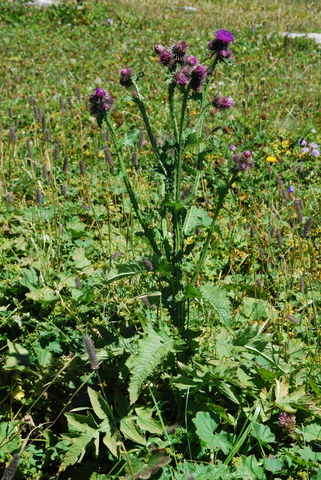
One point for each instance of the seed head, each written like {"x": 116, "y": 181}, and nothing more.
{"x": 148, "y": 264}
{"x": 11, "y": 468}
{"x": 91, "y": 352}
{"x": 307, "y": 227}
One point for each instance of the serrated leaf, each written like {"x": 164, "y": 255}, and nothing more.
{"x": 81, "y": 423}
{"x": 125, "y": 270}
{"x": 262, "y": 433}
{"x": 311, "y": 432}
{"x": 216, "y": 296}
{"x": 152, "y": 349}
{"x": 196, "y": 218}
{"x": 272, "y": 464}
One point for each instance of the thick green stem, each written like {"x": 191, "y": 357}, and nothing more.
{"x": 171, "y": 101}
{"x": 211, "y": 230}
{"x": 130, "y": 192}
{"x": 180, "y": 148}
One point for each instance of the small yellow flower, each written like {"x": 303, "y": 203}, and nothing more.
{"x": 271, "y": 159}
{"x": 286, "y": 143}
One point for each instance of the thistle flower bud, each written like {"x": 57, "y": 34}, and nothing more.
{"x": 243, "y": 161}
{"x": 91, "y": 352}
{"x": 125, "y": 77}
{"x": 220, "y": 102}
{"x": 198, "y": 75}
{"x": 166, "y": 58}
{"x": 191, "y": 60}
{"x": 178, "y": 51}
{"x": 100, "y": 103}
{"x": 180, "y": 78}
{"x": 159, "y": 49}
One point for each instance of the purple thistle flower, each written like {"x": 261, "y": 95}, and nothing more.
{"x": 198, "y": 75}
{"x": 220, "y": 102}
{"x": 232, "y": 147}
{"x": 191, "y": 60}
{"x": 314, "y": 145}
{"x": 165, "y": 57}
{"x": 180, "y": 78}
{"x": 226, "y": 53}
{"x": 305, "y": 150}
{"x": 243, "y": 161}
{"x": 100, "y": 92}
{"x": 178, "y": 51}
{"x": 315, "y": 152}
{"x": 125, "y": 77}
{"x": 291, "y": 189}
{"x": 302, "y": 142}
{"x": 224, "y": 36}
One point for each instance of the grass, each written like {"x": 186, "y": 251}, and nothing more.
{"x": 67, "y": 224}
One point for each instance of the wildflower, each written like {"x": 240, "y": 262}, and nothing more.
{"x": 314, "y": 145}
{"x": 305, "y": 150}
{"x": 221, "y": 43}
{"x": 315, "y": 152}
{"x": 191, "y": 60}
{"x": 243, "y": 161}
{"x": 232, "y": 147}
{"x": 287, "y": 422}
{"x": 100, "y": 103}
{"x": 291, "y": 189}
{"x": 159, "y": 49}
{"x": 271, "y": 159}
{"x": 198, "y": 75}
{"x": 220, "y": 102}
{"x": 165, "y": 57}
{"x": 178, "y": 51}
{"x": 252, "y": 29}
{"x": 180, "y": 78}
{"x": 110, "y": 21}
{"x": 125, "y": 77}
{"x": 302, "y": 142}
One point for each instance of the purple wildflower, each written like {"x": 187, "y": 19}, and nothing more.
{"x": 243, "y": 161}
{"x": 232, "y": 147}
{"x": 291, "y": 189}
{"x": 125, "y": 77}
{"x": 224, "y": 36}
{"x": 191, "y": 60}
{"x": 110, "y": 20}
{"x": 166, "y": 57}
{"x": 302, "y": 142}
{"x": 305, "y": 150}
{"x": 220, "y": 102}
{"x": 252, "y": 29}
{"x": 100, "y": 103}
{"x": 180, "y": 78}
{"x": 198, "y": 75}
{"x": 315, "y": 152}
{"x": 314, "y": 145}
{"x": 221, "y": 43}
{"x": 287, "y": 422}
{"x": 100, "y": 92}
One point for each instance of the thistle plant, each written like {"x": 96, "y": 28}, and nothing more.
{"x": 187, "y": 82}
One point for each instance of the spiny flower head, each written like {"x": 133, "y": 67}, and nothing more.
{"x": 100, "y": 102}
{"x": 191, "y": 60}
{"x": 179, "y": 50}
{"x": 100, "y": 92}
{"x": 180, "y": 78}
{"x": 220, "y": 44}
{"x": 159, "y": 49}
{"x": 243, "y": 161}
{"x": 165, "y": 57}
{"x": 125, "y": 77}
{"x": 287, "y": 422}
{"x": 221, "y": 103}
{"x": 224, "y": 36}
{"x": 198, "y": 75}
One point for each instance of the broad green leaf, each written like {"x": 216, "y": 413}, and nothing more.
{"x": 146, "y": 422}
{"x": 30, "y": 278}
{"x": 77, "y": 446}
{"x": 44, "y": 295}
{"x": 131, "y": 138}
{"x": 311, "y": 432}
{"x": 262, "y": 433}
{"x": 129, "y": 430}
{"x": 18, "y": 357}
{"x": 196, "y": 218}
{"x": 9, "y": 438}
{"x": 152, "y": 350}
{"x": 100, "y": 406}
{"x": 206, "y": 423}
{"x": 81, "y": 423}
{"x": 125, "y": 270}
{"x": 44, "y": 356}
{"x": 216, "y": 296}
{"x": 251, "y": 464}
{"x": 272, "y": 464}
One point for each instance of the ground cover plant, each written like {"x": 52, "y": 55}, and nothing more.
{"x": 159, "y": 296}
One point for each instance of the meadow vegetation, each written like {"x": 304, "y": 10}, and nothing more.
{"x": 160, "y": 283}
